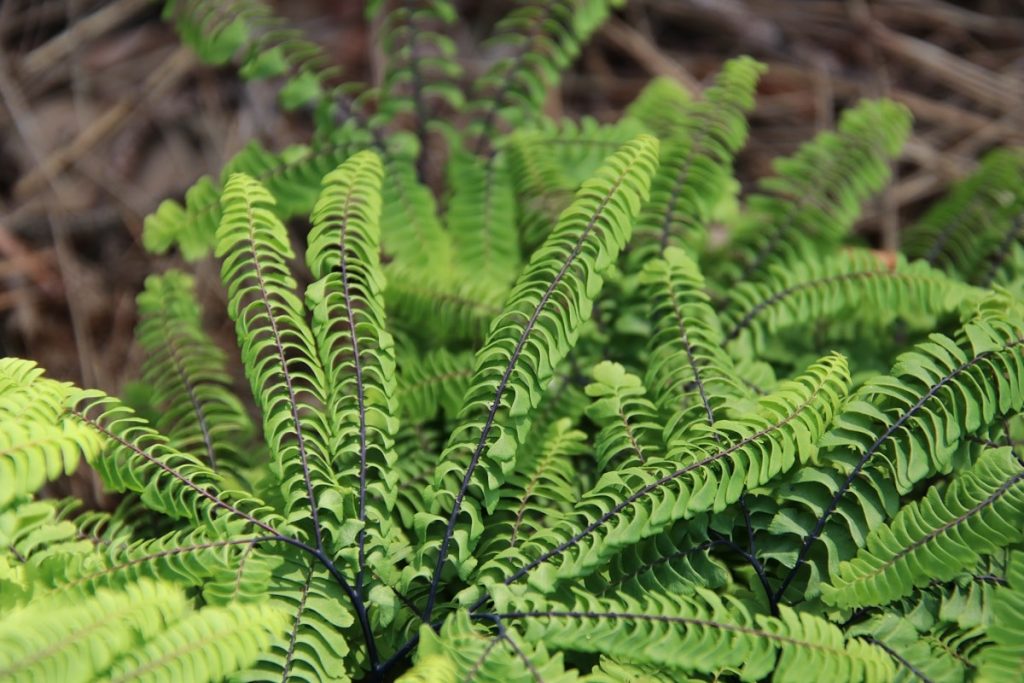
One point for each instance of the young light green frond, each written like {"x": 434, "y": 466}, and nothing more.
{"x": 851, "y": 284}
{"x": 192, "y": 394}
{"x": 696, "y": 164}
{"x": 33, "y": 453}
{"x": 627, "y": 506}
{"x": 701, "y": 633}
{"x": 137, "y": 458}
{"x": 480, "y": 655}
{"x": 349, "y": 324}
{"x": 1005, "y": 660}
{"x": 659, "y": 105}
{"x": 279, "y": 353}
{"x": 431, "y": 383}
{"x": 26, "y": 395}
{"x": 817, "y": 193}
{"x": 965, "y": 233}
{"x": 691, "y": 377}
{"x": 482, "y": 217}
{"x": 630, "y": 429}
{"x": 537, "y": 328}
{"x": 937, "y": 537}
{"x": 542, "y": 188}
{"x": 78, "y": 639}
{"x": 206, "y": 645}
{"x": 433, "y": 668}
{"x": 211, "y": 559}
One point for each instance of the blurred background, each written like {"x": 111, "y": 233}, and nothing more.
{"x": 104, "y": 114}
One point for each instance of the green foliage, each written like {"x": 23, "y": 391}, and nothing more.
{"x": 515, "y": 419}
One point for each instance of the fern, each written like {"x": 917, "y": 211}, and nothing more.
{"x": 492, "y": 438}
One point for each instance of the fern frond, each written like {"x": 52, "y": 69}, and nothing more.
{"x": 482, "y": 217}
{"x": 1005, "y": 659}
{"x": 691, "y": 377}
{"x": 411, "y": 232}
{"x": 33, "y": 453}
{"x": 817, "y": 193}
{"x": 25, "y": 394}
{"x": 541, "y": 186}
{"x": 206, "y": 645}
{"x": 544, "y": 38}
{"x": 630, "y": 430}
{"x": 916, "y": 657}
{"x": 421, "y": 74}
{"x": 851, "y": 284}
{"x": 938, "y": 536}
{"x": 347, "y": 303}
{"x": 576, "y": 148}
{"x": 626, "y": 506}
{"x": 538, "y": 326}
{"x": 279, "y": 353}
{"x": 198, "y": 411}
{"x": 431, "y": 383}
{"x": 80, "y": 640}
{"x": 962, "y": 233}
{"x": 696, "y": 163}
{"x": 477, "y": 655}
{"x": 658, "y": 106}
{"x": 137, "y": 458}
{"x": 703, "y": 632}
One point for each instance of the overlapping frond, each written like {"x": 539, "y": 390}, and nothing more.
{"x": 431, "y": 383}
{"x": 696, "y": 162}
{"x": 817, "y": 193}
{"x": 966, "y": 233}
{"x": 851, "y": 284}
{"x": 626, "y": 506}
{"x": 937, "y": 537}
{"x": 658, "y": 106}
{"x": 1005, "y": 659}
{"x": 199, "y": 412}
{"x": 630, "y": 429}
{"x": 356, "y": 350}
{"x": 536, "y": 329}
{"x": 702, "y": 633}
{"x": 279, "y": 353}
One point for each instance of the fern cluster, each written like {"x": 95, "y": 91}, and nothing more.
{"x": 535, "y": 425}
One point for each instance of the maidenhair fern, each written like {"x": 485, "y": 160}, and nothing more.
{"x": 520, "y": 420}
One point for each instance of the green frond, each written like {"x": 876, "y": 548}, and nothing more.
{"x": 627, "y": 506}
{"x": 537, "y": 494}
{"x": 434, "y": 668}
{"x": 292, "y": 176}
{"x": 696, "y": 163}
{"x": 541, "y": 39}
{"x": 33, "y": 453}
{"x": 433, "y": 306}
{"x": 575, "y": 148}
{"x": 630, "y": 429}
{"x": 703, "y": 633}
{"x": 279, "y": 353}
{"x": 938, "y": 536}
{"x": 431, "y": 383}
{"x": 421, "y": 72}
{"x": 816, "y": 194}
{"x": 137, "y": 458}
{"x": 541, "y": 186}
{"x": 658, "y": 106}
{"x": 1004, "y": 661}
{"x": 25, "y": 394}
{"x": 84, "y": 639}
{"x": 482, "y": 217}
{"x": 206, "y": 645}
{"x": 536, "y": 329}
{"x": 691, "y": 377}
{"x": 417, "y": 447}
{"x": 966, "y": 232}
{"x": 916, "y": 658}
{"x": 312, "y": 644}
{"x": 411, "y": 232}
{"x": 478, "y": 655}
{"x": 186, "y": 372}
{"x": 853, "y": 284}
{"x": 347, "y": 304}
{"x": 609, "y": 670}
